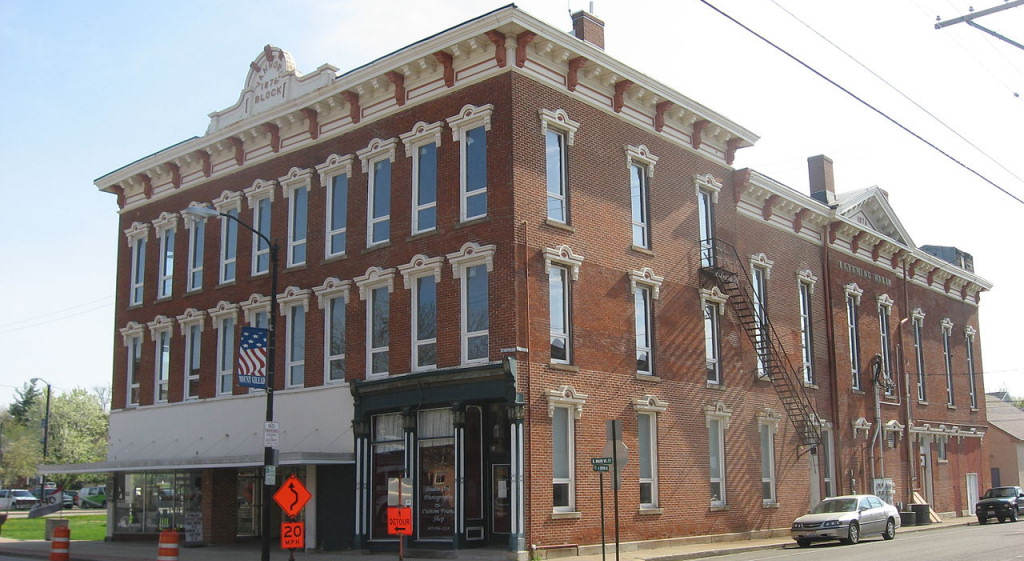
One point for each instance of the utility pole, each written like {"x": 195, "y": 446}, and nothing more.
{"x": 969, "y": 20}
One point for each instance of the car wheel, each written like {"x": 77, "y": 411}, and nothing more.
{"x": 982, "y": 519}
{"x": 853, "y": 535}
{"x": 890, "y": 529}
{"x": 1002, "y": 519}
{"x": 1012, "y": 517}
{"x": 803, "y": 543}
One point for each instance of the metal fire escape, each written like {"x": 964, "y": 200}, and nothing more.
{"x": 721, "y": 266}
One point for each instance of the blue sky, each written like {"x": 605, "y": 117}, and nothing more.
{"x": 92, "y": 86}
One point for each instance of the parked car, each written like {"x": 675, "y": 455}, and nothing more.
{"x": 846, "y": 519}
{"x": 1004, "y": 503}
{"x": 16, "y": 499}
{"x": 67, "y": 499}
{"x": 92, "y": 497}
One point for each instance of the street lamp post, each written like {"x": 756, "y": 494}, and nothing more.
{"x": 204, "y": 212}
{"x": 46, "y": 440}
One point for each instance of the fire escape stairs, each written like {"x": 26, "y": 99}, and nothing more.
{"x": 722, "y": 267}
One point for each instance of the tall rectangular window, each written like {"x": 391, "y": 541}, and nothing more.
{"x": 947, "y": 359}
{"x": 225, "y": 355}
{"x": 971, "y": 378}
{"x": 296, "y": 348}
{"x": 643, "y": 330}
{"x": 229, "y": 247}
{"x": 379, "y": 311}
{"x": 337, "y": 215}
{"x": 424, "y": 202}
{"x": 425, "y": 322}
{"x": 193, "y": 352}
{"x": 922, "y": 394}
{"x": 712, "y": 364}
{"x": 558, "y": 314}
{"x": 806, "y": 333}
{"x": 762, "y": 346}
{"x": 133, "y": 364}
{"x": 886, "y": 339}
{"x": 380, "y": 202}
{"x": 767, "y": 463}
{"x": 716, "y": 458}
{"x": 647, "y": 458}
{"x": 474, "y": 197}
{"x": 196, "y": 243}
{"x": 298, "y": 211}
{"x": 475, "y": 315}
{"x": 853, "y": 328}
{"x": 557, "y": 178}
{"x": 639, "y": 202}
{"x": 562, "y": 460}
{"x": 706, "y": 225}
{"x": 260, "y": 247}
{"x": 165, "y": 284}
{"x": 162, "y": 366}
{"x": 138, "y": 270}
{"x": 335, "y": 335}
{"x": 829, "y": 462}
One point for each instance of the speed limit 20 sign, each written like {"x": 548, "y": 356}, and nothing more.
{"x": 293, "y": 535}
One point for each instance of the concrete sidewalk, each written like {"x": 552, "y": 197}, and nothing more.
{"x": 250, "y": 550}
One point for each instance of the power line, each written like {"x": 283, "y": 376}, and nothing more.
{"x": 863, "y": 102}
{"x": 55, "y": 316}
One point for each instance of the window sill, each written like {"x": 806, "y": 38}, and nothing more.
{"x": 420, "y": 235}
{"x": 642, "y": 250}
{"x": 650, "y": 511}
{"x": 559, "y": 225}
{"x": 566, "y": 515}
{"x": 922, "y": 402}
{"x": 227, "y": 284}
{"x": 946, "y": 461}
{"x": 295, "y": 267}
{"x": 951, "y": 407}
{"x": 975, "y": 410}
{"x": 810, "y": 385}
{"x": 715, "y": 385}
{"x": 375, "y": 247}
{"x": 648, "y": 378}
{"x": 563, "y": 367}
{"x": 858, "y": 392}
{"x": 718, "y": 508}
{"x": 472, "y": 221}
{"x": 772, "y": 504}
{"x": 333, "y": 258}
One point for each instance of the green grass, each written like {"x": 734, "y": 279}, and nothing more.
{"x": 92, "y": 527}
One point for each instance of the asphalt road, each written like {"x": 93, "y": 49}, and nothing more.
{"x": 993, "y": 542}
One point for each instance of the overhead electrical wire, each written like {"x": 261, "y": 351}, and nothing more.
{"x": 979, "y": 61}
{"x": 897, "y": 90}
{"x": 864, "y": 102}
{"x": 45, "y": 319}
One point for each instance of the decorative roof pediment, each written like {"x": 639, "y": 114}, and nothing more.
{"x": 870, "y": 210}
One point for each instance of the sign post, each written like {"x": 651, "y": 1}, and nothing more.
{"x": 399, "y": 514}
{"x": 619, "y": 454}
{"x": 292, "y": 498}
{"x": 601, "y": 465}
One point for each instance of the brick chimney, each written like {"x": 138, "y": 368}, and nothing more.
{"x": 823, "y": 183}
{"x": 588, "y": 27}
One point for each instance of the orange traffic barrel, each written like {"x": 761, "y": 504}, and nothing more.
{"x": 168, "y": 550}
{"x": 60, "y": 544}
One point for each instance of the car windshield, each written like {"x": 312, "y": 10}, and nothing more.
{"x": 835, "y": 505}
{"x": 24, "y": 494}
{"x": 1001, "y": 492}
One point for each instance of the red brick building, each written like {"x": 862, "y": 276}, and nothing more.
{"x": 492, "y": 243}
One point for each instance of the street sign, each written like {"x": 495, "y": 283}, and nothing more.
{"x": 270, "y": 475}
{"x": 292, "y": 496}
{"x": 602, "y": 467}
{"x": 293, "y": 535}
{"x": 601, "y": 461}
{"x": 400, "y": 520}
{"x": 271, "y": 434}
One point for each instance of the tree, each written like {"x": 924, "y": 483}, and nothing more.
{"x": 29, "y": 398}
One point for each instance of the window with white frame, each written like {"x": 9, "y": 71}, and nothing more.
{"x": 947, "y": 359}
{"x": 334, "y": 175}
{"x": 707, "y": 196}
{"x": 196, "y": 246}
{"x": 641, "y": 170}
{"x": 647, "y": 409}
{"x": 972, "y": 382}
{"x": 760, "y": 272}
{"x": 768, "y": 425}
{"x": 376, "y": 159}
{"x": 137, "y": 236}
{"x": 469, "y": 129}
{"x": 295, "y": 187}
{"x": 917, "y": 325}
{"x": 559, "y": 133}
{"x": 224, "y": 318}
{"x": 132, "y": 334}
{"x": 717, "y": 421}
{"x": 472, "y": 266}
{"x": 257, "y": 311}
{"x": 332, "y": 298}
{"x": 646, "y": 287}
{"x": 229, "y": 203}
{"x": 260, "y": 196}
{"x": 421, "y": 276}
{"x": 191, "y": 323}
{"x": 562, "y": 266}
{"x": 161, "y": 329}
{"x": 565, "y": 406}
{"x": 805, "y": 286}
{"x": 421, "y": 144}
{"x": 884, "y": 313}
{"x": 294, "y": 305}
{"x": 375, "y": 289}
{"x": 713, "y": 304}
{"x": 853, "y": 294}
{"x": 165, "y": 227}
{"x": 828, "y": 462}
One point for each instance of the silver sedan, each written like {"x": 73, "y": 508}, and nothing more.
{"x": 846, "y": 519}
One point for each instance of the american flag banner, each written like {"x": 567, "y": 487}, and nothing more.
{"x": 252, "y": 358}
